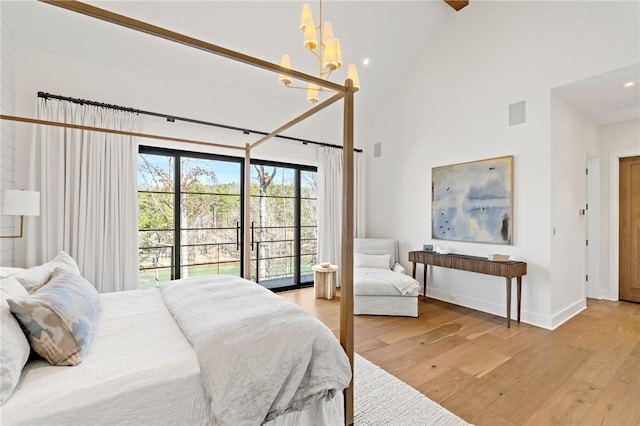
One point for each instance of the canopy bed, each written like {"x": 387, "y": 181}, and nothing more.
{"x": 345, "y": 92}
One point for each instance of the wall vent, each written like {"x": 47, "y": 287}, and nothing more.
{"x": 517, "y": 113}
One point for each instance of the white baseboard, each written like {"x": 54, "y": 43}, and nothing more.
{"x": 492, "y": 308}
{"x": 568, "y": 313}
{"x": 607, "y": 296}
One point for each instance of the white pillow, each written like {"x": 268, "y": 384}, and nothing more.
{"x": 380, "y": 261}
{"x": 34, "y": 278}
{"x": 14, "y": 346}
{"x": 6, "y": 271}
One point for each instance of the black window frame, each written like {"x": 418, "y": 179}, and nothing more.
{"x": 177, "y": 154}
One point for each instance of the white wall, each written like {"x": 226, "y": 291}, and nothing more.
{"x": 616, "y": 140}
{"x": 572, "y": 136}
{"x": 453, "y": 107}
{"x": 111, "y": 84}
{"x": 7, "y": 132}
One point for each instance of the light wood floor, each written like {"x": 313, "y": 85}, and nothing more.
{"x": 586, "y": 372}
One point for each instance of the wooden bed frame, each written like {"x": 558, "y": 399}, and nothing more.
{"x": 347, "y": 91}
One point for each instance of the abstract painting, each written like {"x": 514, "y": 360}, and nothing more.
{"x": 473, "y": 201}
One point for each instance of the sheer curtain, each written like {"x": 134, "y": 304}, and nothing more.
{"x": 87, "y": 182}
{"x": 330, "y": 202}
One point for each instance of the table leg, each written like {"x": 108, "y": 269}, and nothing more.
{"x": 331, "y": 285}
{"x": 508, "y": 302}
{"x": 414, "y": 270}
{"x": 519, "y": 280}
{"x": 424, "y": 278}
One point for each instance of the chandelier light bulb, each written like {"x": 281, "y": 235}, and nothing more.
{"x": 331, "y": 55}
{"x": 312, "y": 93}
{"x": 327, "y": 35}
{"x": 285, "y": 62}
{"x": 352, "y": 74}
{"x": 310, "y": 39}
{"x": 305, "y": 16}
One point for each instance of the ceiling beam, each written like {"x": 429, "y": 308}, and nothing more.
{"x": 457, "y": 4}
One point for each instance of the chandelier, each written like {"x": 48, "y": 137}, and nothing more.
{"x": 325, "y": 46}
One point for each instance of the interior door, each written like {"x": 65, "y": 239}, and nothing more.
{"x": 629, "y": 250}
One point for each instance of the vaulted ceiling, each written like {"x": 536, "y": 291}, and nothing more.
{"x": 388, "y": 33}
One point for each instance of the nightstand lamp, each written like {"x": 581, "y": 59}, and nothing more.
{"x": 20, "y": 203}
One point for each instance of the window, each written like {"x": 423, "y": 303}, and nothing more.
{"x": 190, "y": 218}
{"x": 283, "y": 224}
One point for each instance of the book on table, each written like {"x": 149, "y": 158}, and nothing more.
{"x": 499, "y": 257}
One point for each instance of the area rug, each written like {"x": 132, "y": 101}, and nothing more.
{"x": 380, "y": 399}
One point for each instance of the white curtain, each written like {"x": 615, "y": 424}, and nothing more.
{"x": 330, "y": 203}
{"x": 87, "y": 182}
{"x": 360, "y": 180}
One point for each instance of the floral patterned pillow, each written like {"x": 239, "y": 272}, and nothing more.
{"x": 60, "y": 318}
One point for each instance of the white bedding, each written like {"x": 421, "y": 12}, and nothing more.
{"x": 139, "y": 360}
{"x": 140, "y": 370}
{"x": 260, "y": 355}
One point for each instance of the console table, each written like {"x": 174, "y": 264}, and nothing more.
{"x": 509, "y": 269}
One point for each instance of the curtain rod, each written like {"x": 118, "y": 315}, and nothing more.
{"x": 173, "y": 118}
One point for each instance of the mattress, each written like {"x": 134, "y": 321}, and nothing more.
{"x": 140, "y": 370}
{"x": 139, "y": 361}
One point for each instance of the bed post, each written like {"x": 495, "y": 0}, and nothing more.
{"x": 246, "y": 215}
{"x": 346, "y": 268}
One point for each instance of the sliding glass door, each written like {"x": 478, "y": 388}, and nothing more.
{"x": 190, "y": 218}
{"x": 189, "y": 213}
{"x": 209, "y": 217}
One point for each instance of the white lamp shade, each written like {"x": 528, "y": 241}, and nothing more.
{"x": 285, "y": 62}
{"x": 352, "y": 74}
{"x": 21, "y": 203}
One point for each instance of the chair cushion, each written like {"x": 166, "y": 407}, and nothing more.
{"x": 377, "y": 246}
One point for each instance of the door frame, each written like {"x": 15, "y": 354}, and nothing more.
{"x": 613, "y": 287}
{"x": 592, "y": 225}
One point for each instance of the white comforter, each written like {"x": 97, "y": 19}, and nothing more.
{"x": 260, "y": 356}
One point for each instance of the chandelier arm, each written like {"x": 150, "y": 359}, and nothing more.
{"x": 134, "y": 24}
{"x": 319, "y": 89}
{"x": 335, "y": 98}
{"x": 313, "y": 52}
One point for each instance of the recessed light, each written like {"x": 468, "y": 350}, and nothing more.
{"x": 629, "y": 84}
{"x": 365, "y": 61}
